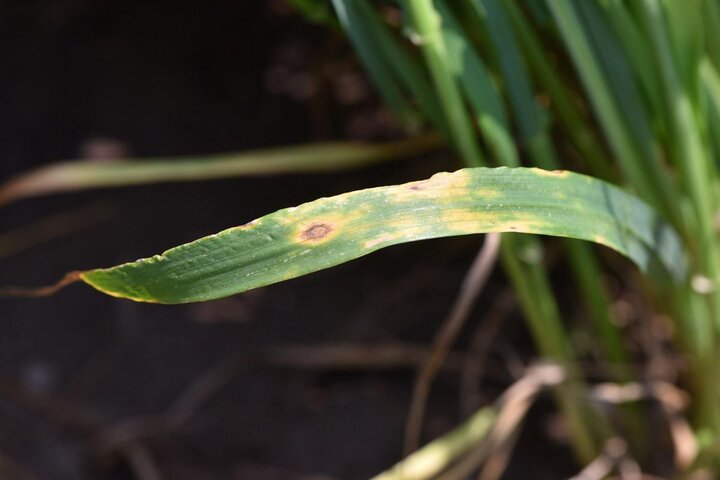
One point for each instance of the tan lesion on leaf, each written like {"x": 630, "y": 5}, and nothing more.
{"x": 552, "y": 173}
{"x": 317, "y": 226}
{"x": 441, "y": 187}
{"x": 458, "y": 179}
{"x": 384, "y": 238}
{"x": 249, "y": 225}
{"x": 602, "y": 240}
{"x": 316, "y": 231}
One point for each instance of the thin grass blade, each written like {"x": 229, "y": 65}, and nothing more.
{"x": 367, "y": 48}
{"x": 409, "y": 73}
{"x": 607, "y": 91}
{"x": 480, "y": 90}
{"x": 323, "y": 157}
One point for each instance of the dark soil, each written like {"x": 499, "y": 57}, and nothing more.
{"x": 172, "y": 78}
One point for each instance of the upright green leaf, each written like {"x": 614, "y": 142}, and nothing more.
{"x": 366, "y": 46}
{"x": 481, "y": 91}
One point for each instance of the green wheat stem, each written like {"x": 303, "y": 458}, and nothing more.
{"x": 426, "y": 26}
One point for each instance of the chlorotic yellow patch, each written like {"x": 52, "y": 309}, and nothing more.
{"x": 466, "y": 221}
{"x": 601, "y": 240}
{"x": 384, "y": 238}
{"x": 438, "y": 186}
{"x": 409, "y": 228}
{"x": 552, "y": 173}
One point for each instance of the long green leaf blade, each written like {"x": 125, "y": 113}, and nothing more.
{"x": 310, "y": 158}
{"x": 330, "y": 231}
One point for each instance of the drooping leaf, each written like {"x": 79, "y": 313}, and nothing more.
{"x": 330, "y": 231}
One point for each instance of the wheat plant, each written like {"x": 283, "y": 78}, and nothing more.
{"x": 625, "y": 93}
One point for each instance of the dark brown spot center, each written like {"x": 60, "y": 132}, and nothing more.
{"x": 316, "y": 231}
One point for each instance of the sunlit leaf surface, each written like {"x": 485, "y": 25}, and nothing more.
{"x": 330, "y": 231}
